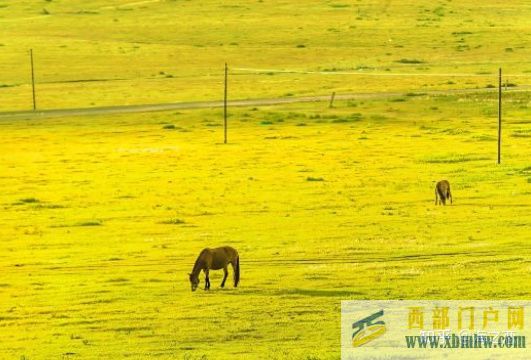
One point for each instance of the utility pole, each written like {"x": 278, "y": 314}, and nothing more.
{"x": 33, "y": 80}
{"x": 499, "y": 114}
{"x": 225, "y": 106}
{"x": 331, "y": 105}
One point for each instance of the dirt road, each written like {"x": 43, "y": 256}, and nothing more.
{"x": 127, "y": 109}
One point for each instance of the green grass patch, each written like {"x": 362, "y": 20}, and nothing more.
{"x": 90, "y": 223}
{"x": 410, "y": 61}
{"x": 452, "y": 158}
{"x": 174, "y": 221}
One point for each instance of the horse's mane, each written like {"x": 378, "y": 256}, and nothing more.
{"x": 198, "y": 261}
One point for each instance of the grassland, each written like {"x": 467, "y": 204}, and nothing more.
{"x": 131, "y": 52}
{"x": 103, "y": 217}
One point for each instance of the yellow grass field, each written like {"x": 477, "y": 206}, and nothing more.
{"x": 102, "y": 217}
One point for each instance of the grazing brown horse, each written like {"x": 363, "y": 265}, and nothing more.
{"x": 442, "y": 192}
{"x": 215, "y": 259}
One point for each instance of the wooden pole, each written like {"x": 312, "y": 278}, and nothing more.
{"x": 225, "y": 106}
{"x": 33, "y": 80}
{"x": 332, "y": 100}
{"x": 499, "y": 114}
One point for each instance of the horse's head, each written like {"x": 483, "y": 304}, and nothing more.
{"x": 194, "y": 281}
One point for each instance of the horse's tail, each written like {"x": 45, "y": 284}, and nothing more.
{"x": 237, "y": 271}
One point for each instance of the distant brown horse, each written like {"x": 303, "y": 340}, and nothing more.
{"x": 442, "y": 192}
{"x": 215, "y": 259}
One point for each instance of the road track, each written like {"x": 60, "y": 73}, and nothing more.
{"x": 131, "y": 109}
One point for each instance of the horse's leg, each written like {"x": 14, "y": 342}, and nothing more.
{"x": 207, "y": 280}
{"x": 225, "y": 274}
